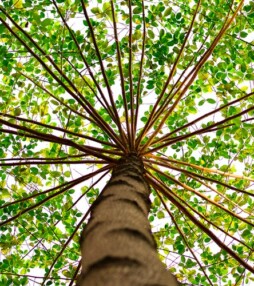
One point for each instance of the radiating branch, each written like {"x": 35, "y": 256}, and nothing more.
{"x": 76, "y": 93}
{"x": 65, "y": 187}
{"x": 39, "y": 85}
{"x": 191, "y": 123}
{"x": 204, "y": 217}
{"x": 119, "y": 60}
{"x": 188, "y": 173}
{"x": 186, "y": 187}
{"x": 65, "y": 245}
{"x": 154, "y": 182}
{"x": 104, "y": 103}
{"x": 204, "y": 169}
{"x": 44, "y": 158}
{"x": 97, "y": 152}
{"x": 171, "y": 74}
{"x": 183, "y": 236}
{"x": 74, "y": 278}
{"x": 96, "y": 182}
{"x": 192, "y": 76}
{"x": 221, "y": 195}
{"x": 171, "y": 141}
{"x": 138, "y": 96}
{"x": 130, "y": 78}
{"x": 53, "y": 162}
{"x": 102, "y": 66}
{"x": 58, "y": 129}
{"x": 33, "y": 276}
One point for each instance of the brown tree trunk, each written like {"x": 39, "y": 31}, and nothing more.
{"x": 117, "y": 245}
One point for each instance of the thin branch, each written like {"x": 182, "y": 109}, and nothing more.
{"x": 107, "y": 107}
{"x": 200, "y": 225}
{"x": 33, "y": 276}
{"x": 220, "y": 194}
{"x": 147, "y": 125}
{"x": 202, "y": 117}
{"x": 188, "y": 173}
{"x": 102, "y": 66}
{"x": 97, "y": 152}
{"x": 204, "y": 169}
{"x": 204, "y": 217}
{"x": 75, "y": 274}
{"x": 55, "y": 162}
{"x": 43, "y": 159}
{"x": 58, "y": 128}
{"x": 85, "y": 104}
{"x": 183, "y": 236}
{"x": 119, "y": 60}
{"x": 67, "y": 185}
{"x": 64, "y": 246}
{"x": 186, "y": 187}
{"x": 78, "y": 181}
{"x": 130, "y": 78}
{"x": 192, "y": 78}
{"x": 138, "y": 96}
{"x": 38, "y": 84}
{"x": 96, "y": 182}
{"x": 199, "y": 131}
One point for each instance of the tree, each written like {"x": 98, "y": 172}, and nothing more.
{"x": 154, "y": 101}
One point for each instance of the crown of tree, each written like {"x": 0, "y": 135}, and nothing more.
{"x": 101, "y": 98}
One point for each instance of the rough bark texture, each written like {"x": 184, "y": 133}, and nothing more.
{"x": 117, "y": 245}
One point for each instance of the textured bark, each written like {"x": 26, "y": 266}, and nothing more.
{"x": 117, "y": 245}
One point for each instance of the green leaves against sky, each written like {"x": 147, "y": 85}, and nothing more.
{"x": 83, "y": 83}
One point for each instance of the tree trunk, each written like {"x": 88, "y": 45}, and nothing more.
{"x": 117, "y": 245}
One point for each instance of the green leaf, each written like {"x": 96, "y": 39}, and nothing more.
{"x": 157, "y": 201}
{"x": 243, "y": 34}
{"x": 168, "y": 11}
{"x": 201, "y": 102}
{"x": 95, "y": 10}
{"x": 34, "y": 170}
{"x": 17, "y": 111}
{"x": 67, "y": 173}
{"x": 4, "y": 193}
{"x": 71, "y": 101}
{"x": 178, "y": 16}
{"x": 192, "y": 110}
{"x": 180, "y": 248}
{"x": 137, "y": 10}
{"x": 246, "y": 233}
{"x": 211, "y": 100}
{"x": 55, "y": 174}
{"x": 150, "y": 33}
{"x": 160, "y": 214}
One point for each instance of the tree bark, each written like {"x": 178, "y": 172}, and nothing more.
{"x": 117, "y": 245}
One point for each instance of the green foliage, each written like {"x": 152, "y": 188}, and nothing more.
{"x": 86, "y": 82}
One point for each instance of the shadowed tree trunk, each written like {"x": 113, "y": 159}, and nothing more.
{"x": 117, "y": 245}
